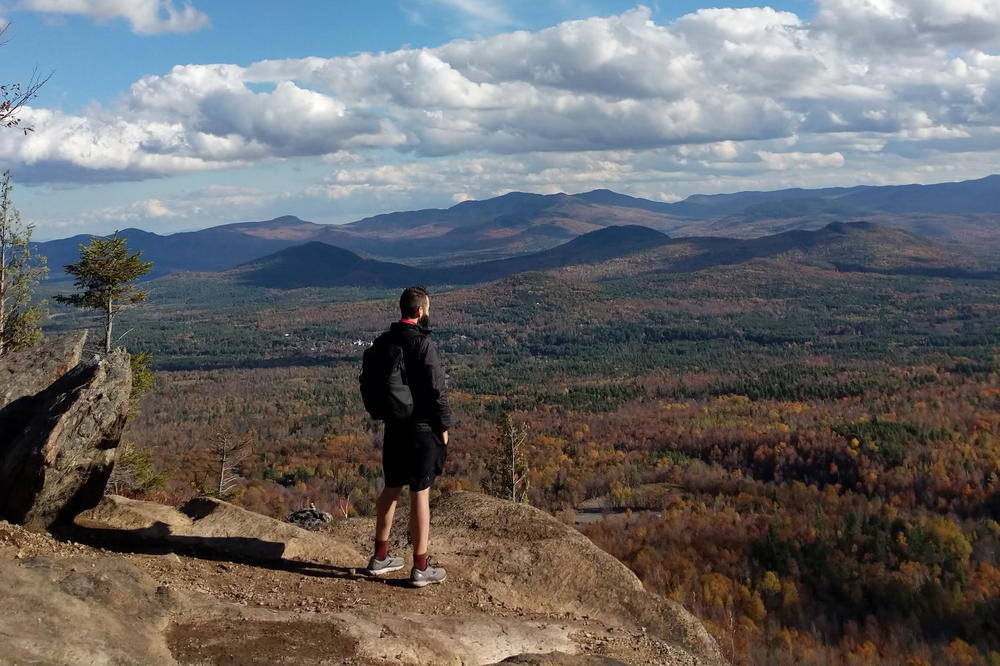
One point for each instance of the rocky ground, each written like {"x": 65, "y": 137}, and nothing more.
{"x": 521, "y": 586}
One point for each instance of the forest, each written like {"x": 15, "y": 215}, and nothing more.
{"x": 807, "y": 459}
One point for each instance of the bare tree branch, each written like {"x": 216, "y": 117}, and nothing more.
{"x": 13, "y": 96}
{"x": 229, "y": 451}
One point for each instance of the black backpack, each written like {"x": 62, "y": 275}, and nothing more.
{"x": 384, "y": 389}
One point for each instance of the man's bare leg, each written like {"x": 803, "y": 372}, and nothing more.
{"x": 385, "y": 509}
{"x": 380, "y": 562}
{"x": 422, "y": 573}
{"x": 420, "y": 520}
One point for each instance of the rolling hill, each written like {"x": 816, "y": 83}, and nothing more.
{"x": 854, "y": 246}
{"x": 594, "y": 247}
{"x": 850, "y": 246}
{"x": 839, "y": 246}
{"x": 317, "y": 264}
{"x": 212, "y": 249}
{"x": 971, "y": 196}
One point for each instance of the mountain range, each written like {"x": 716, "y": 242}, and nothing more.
{"x": 317, "y": 264}
{"x": 520, "y": 225}
{"x": 851, "y": 246}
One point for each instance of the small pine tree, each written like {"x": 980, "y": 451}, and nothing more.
{"x": 103, "y": 277}
{"x": 508, "y": 473}
{"x": 142, "y": 378}
{"x": 134, "y": 471}
{"x": 20, "y": 272}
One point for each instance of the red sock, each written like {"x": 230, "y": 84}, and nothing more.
{"x": 420, "y": 561}
{"x": 381, "y": 550}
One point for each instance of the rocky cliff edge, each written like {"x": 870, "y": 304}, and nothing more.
{"x": 140, "y": 583}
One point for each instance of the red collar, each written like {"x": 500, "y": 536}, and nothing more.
{"x": 408, "y": 321}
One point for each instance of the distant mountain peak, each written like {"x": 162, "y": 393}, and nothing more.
{"x": 622, "y": 231}
{"x": 310, "y": 251}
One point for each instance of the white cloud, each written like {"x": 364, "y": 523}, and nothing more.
{"x": 793, "y": 160}
{"x": 146, "y": 17}
{"x": 716, "y": 96}
{"x": 912, "y": 24}
{"x": 156, "y": 208}
{"x": 212, "y": 203}
{"x": 476, "y": 14}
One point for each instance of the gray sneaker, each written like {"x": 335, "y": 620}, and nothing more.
{"x": 423, "y": 577}
{"x": 379, "y": 567}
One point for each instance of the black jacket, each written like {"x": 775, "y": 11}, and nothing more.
{"x": 424, "y": 375}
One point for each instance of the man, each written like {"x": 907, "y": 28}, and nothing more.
{"x": 414, "y": 449}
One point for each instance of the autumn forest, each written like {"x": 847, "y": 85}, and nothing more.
{"x": 808, "y": 459}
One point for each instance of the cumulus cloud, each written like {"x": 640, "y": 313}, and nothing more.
{"x": 210, "y": 203}
{"x": 912, "y": 24}
{"x": 715, "y": 94}
{"x": 794, "y": 160}
{"x": 146, "y": 17}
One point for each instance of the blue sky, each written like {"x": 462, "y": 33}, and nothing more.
{"x": 170, "y": 116}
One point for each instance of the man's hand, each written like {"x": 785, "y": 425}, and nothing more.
{"x": 444, "y": 437}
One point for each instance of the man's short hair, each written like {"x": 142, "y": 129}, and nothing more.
{"x": 412, "y": 299}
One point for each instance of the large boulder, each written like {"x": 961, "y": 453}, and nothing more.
{"x": 240, "y": 531}
{"x": 144, "y": 520}
{"x": 29, "y": 371}
{"x": 205, "y": 524}
{"x": 57, "y": 447}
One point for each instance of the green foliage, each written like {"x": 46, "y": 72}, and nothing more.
{"x": 135, "y": 472}
{"x": 103, "y": 278}
{"x": 142, "y": 374}
{"x": 20, "y": 272}
{"x": 888, "y": 440}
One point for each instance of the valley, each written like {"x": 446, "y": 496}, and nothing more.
{"x": 802, "y": 454}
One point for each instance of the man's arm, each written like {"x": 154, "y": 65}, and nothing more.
{"x": 440, "y": 413}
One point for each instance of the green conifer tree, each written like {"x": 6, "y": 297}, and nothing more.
{"x": 20, "y": 272}
{"x": 103, "y": 276}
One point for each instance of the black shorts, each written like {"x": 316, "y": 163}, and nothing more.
{"x": 411, "y": 456}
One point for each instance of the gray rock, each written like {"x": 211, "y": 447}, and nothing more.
{"x": 57, "y": 447}
{"x": 81, "y": 611}
{"x": 309, "y": 519}
{"x": 27, "y": 372}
